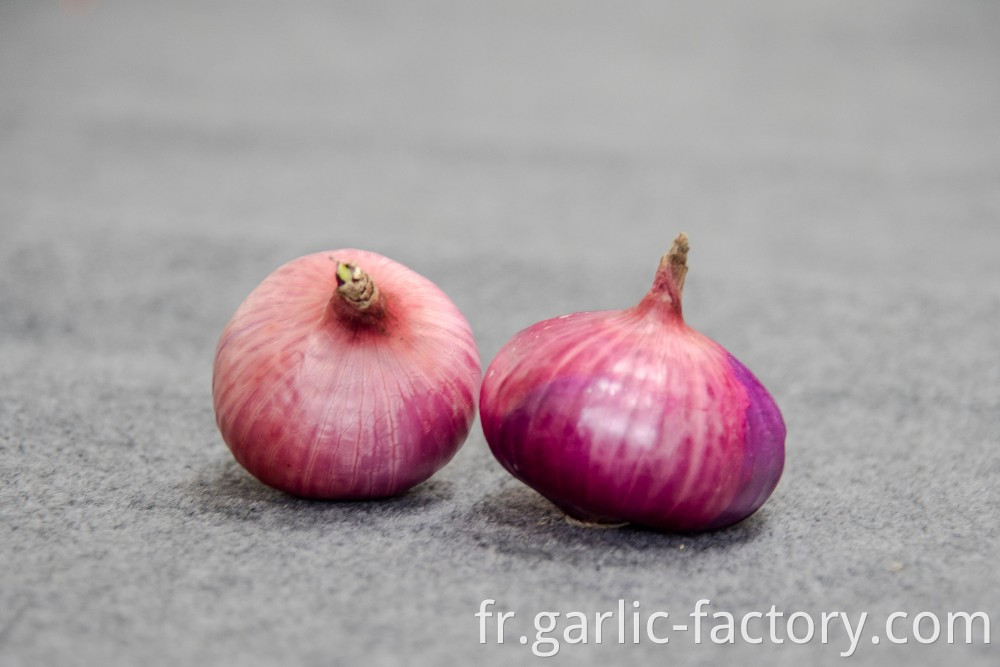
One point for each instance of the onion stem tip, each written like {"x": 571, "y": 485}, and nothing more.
{"x": 343, "y": 273}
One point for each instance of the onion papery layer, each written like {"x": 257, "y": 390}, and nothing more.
{"x": 322, "y": 402}
{"x": 633, "y": 417}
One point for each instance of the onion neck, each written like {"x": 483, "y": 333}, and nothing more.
{"x": 356, "y": 298}
{"x": 665, "y": 294}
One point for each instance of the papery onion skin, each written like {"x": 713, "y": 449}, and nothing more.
{"x": 632, "y": 416}
{"x": 322, "y": 399}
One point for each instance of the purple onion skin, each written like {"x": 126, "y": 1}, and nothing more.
{"x": 631, "y": 416}
{"x": 322, "y": 400}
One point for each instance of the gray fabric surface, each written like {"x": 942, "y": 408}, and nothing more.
{"x": 836, "y": 165}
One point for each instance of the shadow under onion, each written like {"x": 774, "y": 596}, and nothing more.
{"x": 531, "y": 523}
{"x": 228, "y": 491}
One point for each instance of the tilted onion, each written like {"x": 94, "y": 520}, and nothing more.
{"x": 345, "y": 375}
{"x": 632, "y": 416}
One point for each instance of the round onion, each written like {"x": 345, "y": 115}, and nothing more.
{"x": 632, "y": 416}
{"x": 345, "y": 375}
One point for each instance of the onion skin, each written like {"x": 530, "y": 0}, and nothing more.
{"x": 324, "y": 398}
{"x": 632, "y": 416}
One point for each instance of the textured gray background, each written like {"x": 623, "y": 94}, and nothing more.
{"x": 837, "y": 166}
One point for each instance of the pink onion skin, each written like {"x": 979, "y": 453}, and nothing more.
{"x": 632, "y": 416}
{"x": 322, "y": 402}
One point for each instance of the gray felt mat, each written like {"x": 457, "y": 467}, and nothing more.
{"x": 836, "y": 165}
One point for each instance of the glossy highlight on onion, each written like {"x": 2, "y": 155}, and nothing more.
{"x": 632, "y": 416}
{"x": 345, "y": 375}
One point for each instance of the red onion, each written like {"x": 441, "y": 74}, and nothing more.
{"x": 345, "y": 375}
{"x": 631, "y": 416}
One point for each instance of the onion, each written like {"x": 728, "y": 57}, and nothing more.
{"x": 632, "y": 416}
{"x": 345, "y": 375}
